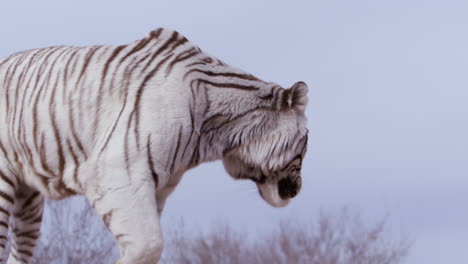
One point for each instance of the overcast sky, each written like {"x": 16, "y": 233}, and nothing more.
{"x": 388, "y": 108}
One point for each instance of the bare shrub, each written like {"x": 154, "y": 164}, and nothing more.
{"x": 221, "y": 245}
{"x": 73, "y": 234}
{"x": 333, "y": 239}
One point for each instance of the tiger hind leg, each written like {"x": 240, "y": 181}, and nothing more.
{"x": 26, "y": 223}
{"x": 7, "y": 195}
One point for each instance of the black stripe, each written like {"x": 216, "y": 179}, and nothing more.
{"x": 29, "y": 201}
{"x": 26, "y": 214}
{"x": 270, "y": 95}
{"x": 217, "y": 121}
{"x": 2, "y": 148}
{"x": 4, "y": 224}
{"x": 181, "y": 57}
{"x": 141, "y": 44}
{"x": 126, "y": 147}
{"x": 177, "y": 150}
{"x": 97, "y": 116}
{"x": 75, "y": 161}
{"x": 195, "y": 159}
{"x": 32, "y": 234}
{"x": 81, "y": 90}
{"x": 196, "y": 63}
{"x": 192, "y": 123}
{"x": 75, "y": 61}
{"x": 7, "y": 180}
{"x": 297, "y": 157}
{"x": 42, "y": 157}
{"x": 276, "y": 104}
{"x": 66, "y": 72}
{"x": 33, "y": 218}
{"x": 136, "y": 106}
{"x": 177, "y": 44}
{"x": 71, "y": 120}
{"x": 55, "y": 129}
{"x": 4, "y": 61}
{"x": 6, "y": 197}
{"x": 161, "y": 49}
{"x": 25, "y": 243}
{"x": 20, "y": 126}
{"x": 113, "y": 128}
{"x": 230, "y": 85}
{"x": 37, "y": 97}
{"x": 71, "y": 99}
{"x": 24, "y": 73}
{"x": 25, "y": 252}
{"x": 213, "y": 121}
{"x": 88, "y": 58}
{"x": 44, "y": 64}
{"x": 15, "y": 66}
{"x": 4, "y": 211}
{"x": 19, "y": 81}
{"x": 151, "y": 162}
{"x": 127, "y": 76}
{"x": 223, "y": 74}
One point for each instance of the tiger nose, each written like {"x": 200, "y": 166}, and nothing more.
{"x": 288, "y": 188}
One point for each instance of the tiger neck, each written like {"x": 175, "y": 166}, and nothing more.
{"x": 226, "y": 122}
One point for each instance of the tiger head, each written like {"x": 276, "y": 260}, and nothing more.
{"x": 273, "y": 160}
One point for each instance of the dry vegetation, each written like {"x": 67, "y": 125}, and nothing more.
{"x": 75, "y": 235}
{"x": 333, "y": 239}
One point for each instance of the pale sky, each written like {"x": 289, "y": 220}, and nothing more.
{"x": 388, "y": 111}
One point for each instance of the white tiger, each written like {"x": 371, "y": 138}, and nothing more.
{"x": 121, "y": 125}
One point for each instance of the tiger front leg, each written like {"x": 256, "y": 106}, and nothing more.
{"x": 130, "y": 213}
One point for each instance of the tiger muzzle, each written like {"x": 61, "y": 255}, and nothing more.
{"x": 289, "y": 187}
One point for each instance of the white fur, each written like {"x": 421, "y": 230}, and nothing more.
{"x": 79, "y": 120}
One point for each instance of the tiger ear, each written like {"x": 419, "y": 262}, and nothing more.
{"x": 298, "y": 97}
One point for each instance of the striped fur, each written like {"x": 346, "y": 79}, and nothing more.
{"x": 121, "y": 124}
